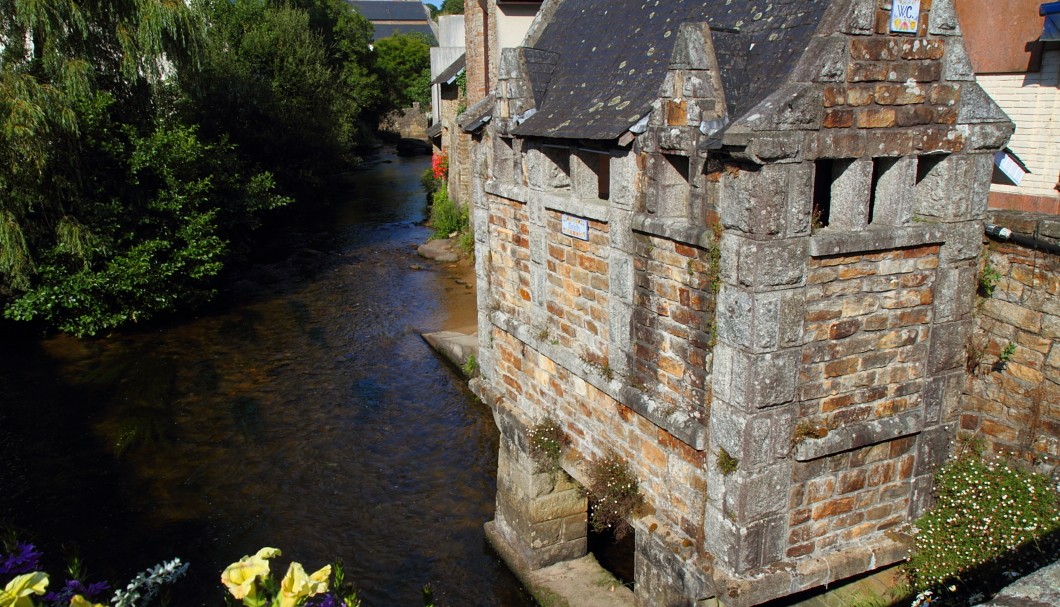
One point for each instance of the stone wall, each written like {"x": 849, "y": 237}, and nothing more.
{"x": 409, "y": 123}
{"x": 1012, "y": 399}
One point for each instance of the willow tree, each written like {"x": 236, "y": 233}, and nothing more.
{"x": 59, "y": 61}
{"x": 110, "y": 208}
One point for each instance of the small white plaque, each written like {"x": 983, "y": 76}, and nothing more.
{"x": 576, "y": 227}
{"x": 905, "y": 16}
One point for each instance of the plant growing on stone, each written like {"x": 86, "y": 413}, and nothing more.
{"x": 989, "y": 517}
{"x": 470, "y": 367}
{"x": 988, "y": 279}
{"x": 1006, "y": 353}
{"x": 614, "y": 495}
{"x": 547, "y": 441}
{"x": 805, "y": 430}
{"x": 727, "y": 464}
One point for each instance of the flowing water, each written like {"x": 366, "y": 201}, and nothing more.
{"x": 303, "y": 412}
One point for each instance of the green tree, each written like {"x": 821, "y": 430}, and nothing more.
{"x": 294, "y": 99}
{"x": 404, "y": 60}
{"x": 452, "y": 7}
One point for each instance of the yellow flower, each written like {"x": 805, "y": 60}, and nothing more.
{"x": 80, "y": 601}
{"x": 296, "y": 585}
{"x": 240, "y": 577}
{"x": 17, "y": 591}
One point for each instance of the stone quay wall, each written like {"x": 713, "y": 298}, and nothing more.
{"x": 1012, "y": 399}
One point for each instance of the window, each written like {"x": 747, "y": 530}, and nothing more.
{"x": 592, "y": 175}
{"x": 671, "y": 195}
{"x": 555, "y": 170}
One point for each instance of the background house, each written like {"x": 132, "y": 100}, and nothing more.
{"x": 1020, "y": 70}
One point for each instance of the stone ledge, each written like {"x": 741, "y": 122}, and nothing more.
{"x": 684, "y": 427}
{"x": 678, "y": 230}
{"x": 573, "y": 583}
{"x": 566, "y": 203}
{"x": 790, "y": 577}
{"x": 827, "y": 242}
{"x": 1037, "y": 225}
{"x": 518, "y": 193}
{"x": 859, "y": 435}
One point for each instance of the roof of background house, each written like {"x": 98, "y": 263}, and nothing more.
{"x": 385, "y": 30}
{"x": 395, "y": 17}
{"x": 607, "y": 74}
{"x": 452, "y": 71}
{"x": 390, "y": 10}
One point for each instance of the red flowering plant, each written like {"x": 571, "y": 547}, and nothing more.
{"x": 440, "y": 165}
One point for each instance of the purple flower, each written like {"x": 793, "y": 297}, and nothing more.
{"x": 72, "y": 587}
{"x": 24, "y": 559}
{"x": 327, "y": 599}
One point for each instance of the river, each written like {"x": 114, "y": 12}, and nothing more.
{"x": 303, "y": 412}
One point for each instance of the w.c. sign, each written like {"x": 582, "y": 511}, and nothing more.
{"x": 905, "y": 16}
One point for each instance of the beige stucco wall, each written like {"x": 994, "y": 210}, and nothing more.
{"x": 513, "y": 21}
{"x": 1032, "y": 100}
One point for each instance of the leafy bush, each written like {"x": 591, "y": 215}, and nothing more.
{"x": 446, "y": 216}
{"x": 986, "y": 512}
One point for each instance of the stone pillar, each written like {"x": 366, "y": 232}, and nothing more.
{"x": 756, "y": 361}
{"x": 953, "y": 193}
{"x": 542, "y": 517}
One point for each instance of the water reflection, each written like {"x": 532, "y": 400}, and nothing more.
{"x": 311, "y": 417}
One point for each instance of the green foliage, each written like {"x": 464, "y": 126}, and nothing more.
{"x": 157, "y": 247}
{"x": 141, "y": 143}
{"x": 404, "y": 61}
{"x": 446, "y": 216}
{"x": 988, "y": 279}
{"x": 614, "y": 494}
{"x": 470, "y": 367}
{"x": 1006, "y": 353}
{"x": 985, "y": 511}
{"x": 290, "y": 96}
{"x": 452, "y": 7}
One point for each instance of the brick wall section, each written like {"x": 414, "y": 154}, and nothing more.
{"x": 1014, "y": 406}
{"x": 669, "y": 471}
{"x": 838, "y": 499}
{"x": 892, "y": 83}
{"x": 509, "y": 260}
{"x": 867, "y": 329}
{"x": 577, "y": 293}
{"x": 673, "y": 323}
{"x": 476, "y": 52}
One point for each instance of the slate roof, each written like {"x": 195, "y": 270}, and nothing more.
{"x": 385, "y": 30}
{"x": 450, "y": 72}
{"x": 613, "y": 57}
{"x": 395, "y": 17}
{"x": 390, "y": 10}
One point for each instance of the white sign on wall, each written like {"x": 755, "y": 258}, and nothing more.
{"x": 576, "y": 227}
{"x": 905, "y": 16}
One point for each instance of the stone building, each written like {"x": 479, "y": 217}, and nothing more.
{"x": 448, "y": 99}
{"x": 735, "y": 244}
